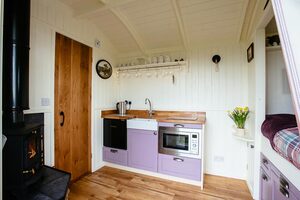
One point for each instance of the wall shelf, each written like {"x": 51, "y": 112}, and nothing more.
{"x": 245, "y": 138}
{"x": 273, "y": 48}
{"x": 152, "y": 66}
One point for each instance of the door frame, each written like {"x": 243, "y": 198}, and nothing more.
{"x": 1, "y": 46}
{"x": 284, "y": 21}
{"x": 89, "y": 100}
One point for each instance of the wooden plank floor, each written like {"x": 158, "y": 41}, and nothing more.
{"x": 114, "y": 184}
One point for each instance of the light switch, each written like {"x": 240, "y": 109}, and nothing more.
{"x": 45, "y": 101}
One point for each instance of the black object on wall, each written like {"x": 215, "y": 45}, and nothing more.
{"x": 16, "y": 34}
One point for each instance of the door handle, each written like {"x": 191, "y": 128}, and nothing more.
{"x": 265, "y": 161}
{"x": 114, "y": 151}
{"x": 63, "y": 118}
{"x": 284, "y": 192}
{"x": 265, "y": 178}
{"x": 284, "y": 183}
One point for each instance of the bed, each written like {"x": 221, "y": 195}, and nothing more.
{"x": 283, "y": 134}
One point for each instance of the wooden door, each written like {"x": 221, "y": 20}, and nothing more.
{"x": 72, "y": 106}
{"x": 62, "y": 103}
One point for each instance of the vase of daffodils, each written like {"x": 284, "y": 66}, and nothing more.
{"x": 239, "y": 116}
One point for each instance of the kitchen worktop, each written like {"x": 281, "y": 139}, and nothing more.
{"x": 187, "y": 117}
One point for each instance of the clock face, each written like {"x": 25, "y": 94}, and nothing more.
{"x": 104, "y": 69}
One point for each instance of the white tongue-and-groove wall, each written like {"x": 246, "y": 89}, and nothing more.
{"x": 200, "y": 88}
{"x": 47, "y": 18}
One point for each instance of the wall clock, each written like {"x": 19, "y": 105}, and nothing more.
{"x": 104, "y": 69}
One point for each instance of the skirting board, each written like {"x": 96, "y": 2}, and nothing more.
{"x": 250, "y": 189}
{"x": 154, "y": 174}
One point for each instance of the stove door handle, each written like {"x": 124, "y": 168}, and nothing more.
{"x": 63, "y": 118}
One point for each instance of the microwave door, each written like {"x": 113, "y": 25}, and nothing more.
{"x": 177, "y": 142}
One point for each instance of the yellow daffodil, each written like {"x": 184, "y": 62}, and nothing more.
{"x": 239, "y": 115}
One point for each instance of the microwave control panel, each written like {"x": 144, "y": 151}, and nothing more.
{"x": 194, "y": 143}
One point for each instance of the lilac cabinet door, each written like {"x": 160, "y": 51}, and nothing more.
{"x": 188, "y": 168}
{"x": 282, "y": 189}
{"x": 266, "y": 189}
{"x": 116, "y": 156}
{"x": 280, "y": 193}
{"x": 142, "y": 147}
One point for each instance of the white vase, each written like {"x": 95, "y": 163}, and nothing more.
{"x": 240, "y": 131}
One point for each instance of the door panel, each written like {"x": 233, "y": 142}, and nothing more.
{"x": 80, "y": 109}
{"x": 266, "y": 190}
{"x": 142, "y": 149}
{"x": 62, "y": 102}
{"x": 72, "y": 96}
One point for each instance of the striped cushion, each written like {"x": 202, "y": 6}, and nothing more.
{"x": 287, "y": 144}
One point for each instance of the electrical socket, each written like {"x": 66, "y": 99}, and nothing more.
{"x": 219, "y": 158}
{"x": 97, "y": 43}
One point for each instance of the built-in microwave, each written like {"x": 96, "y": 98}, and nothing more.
{"x": 180, "y": 141}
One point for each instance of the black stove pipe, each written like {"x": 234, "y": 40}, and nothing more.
{"x": 16, "y": 34}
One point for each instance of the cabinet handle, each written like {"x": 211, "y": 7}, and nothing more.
{"x": 284, "y": 192}
{"x": 114, "y": 151}
{"x": 265, "y": 161}
{"x": 111, "y": 126}
{"x": 178, "y": 159}
{"x": 179, "y": 125}
{"x": 284, "y": 183}
{"x": 265, "y": 178}
{"x": 154, "y": 133}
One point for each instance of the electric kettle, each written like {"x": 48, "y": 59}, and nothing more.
{"x": 122, "y": 107}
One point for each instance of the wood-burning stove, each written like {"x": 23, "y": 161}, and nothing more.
{"x": 23, "y": 158}
{"x": 24, "y": 175}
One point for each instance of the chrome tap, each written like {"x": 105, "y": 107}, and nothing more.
{"x": 150, "y": 111}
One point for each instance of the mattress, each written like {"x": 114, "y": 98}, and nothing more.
{"x": 287, "y": 144}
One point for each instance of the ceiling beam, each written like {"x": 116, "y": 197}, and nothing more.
{"x": 180, "y": 24}
{"x": 252, "y": 19}
{"x": 121, "y": 17}
{"x": 242, "y": 19}
{"x": 130, "y": 29}
{"x": 106, "y": 6}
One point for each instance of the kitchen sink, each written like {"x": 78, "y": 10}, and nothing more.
{"x": 142, "y": 123}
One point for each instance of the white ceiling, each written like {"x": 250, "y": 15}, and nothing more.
{"x": 145, "y": 26}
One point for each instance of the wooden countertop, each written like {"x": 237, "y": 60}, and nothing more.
{"x": 161, "y": 116}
